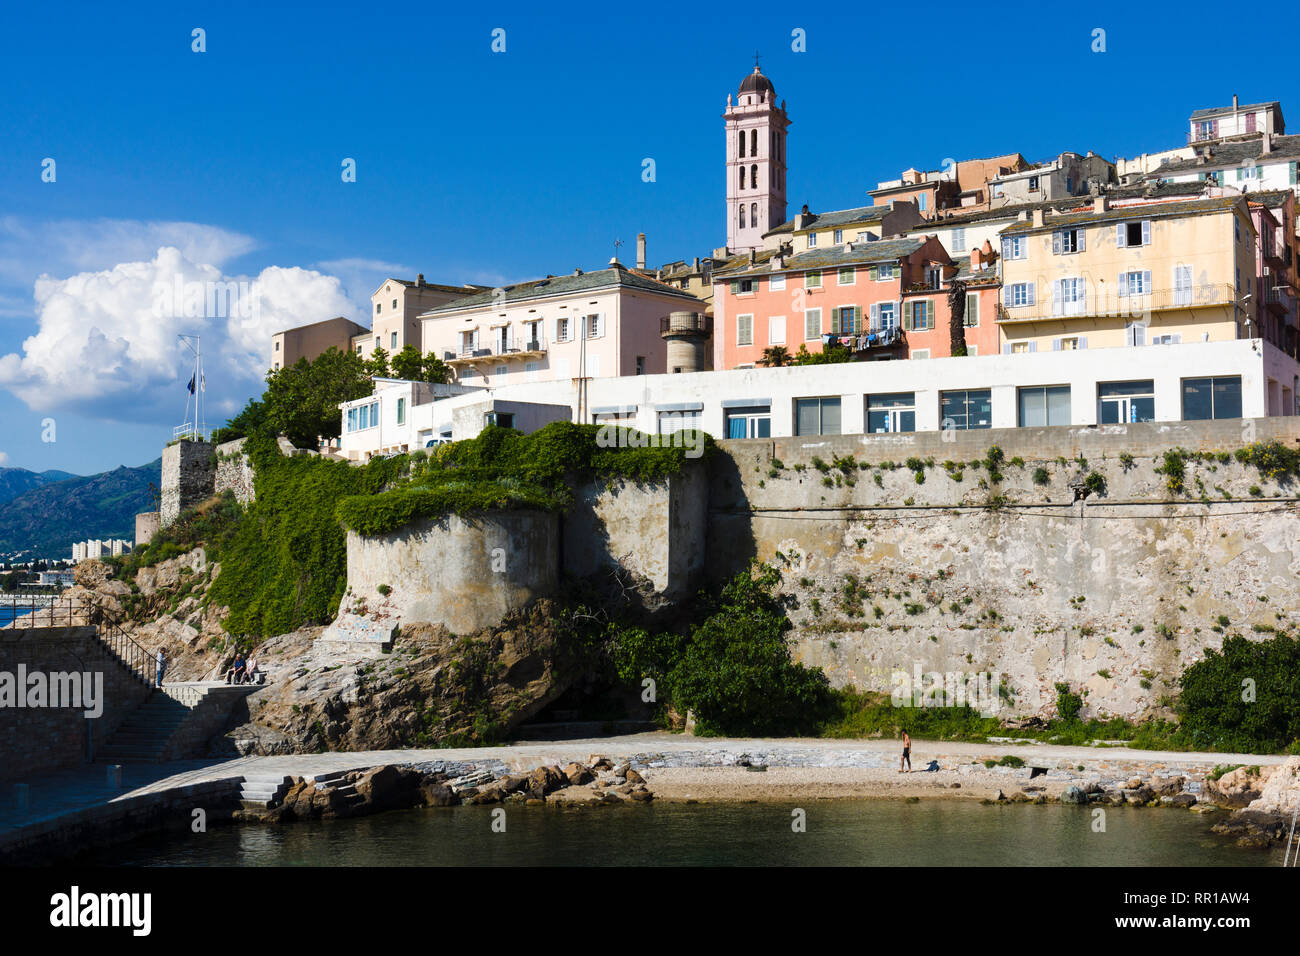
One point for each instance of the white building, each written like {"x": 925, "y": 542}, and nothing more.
{"x": 1236, "y": 379}
{"x": 92, "y": 549}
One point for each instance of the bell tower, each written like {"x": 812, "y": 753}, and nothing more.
{"x": 756, "y": 162}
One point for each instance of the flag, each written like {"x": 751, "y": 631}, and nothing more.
{"x": 203, "y": 383}
{"x": 191, "y": 385}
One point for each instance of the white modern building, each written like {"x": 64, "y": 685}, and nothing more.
{"x": 1245, "y": 378}
{"x": 92, "y": 549}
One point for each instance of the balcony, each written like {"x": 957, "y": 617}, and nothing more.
{"x": 686, "y": 323}
{"x": 510, "y": 349}
{"x": 1276, "y": 301}
{"x": 887, "y": 337}
{"x": 1106, "y": 305}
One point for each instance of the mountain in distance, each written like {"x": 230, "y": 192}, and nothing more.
{"x": 14, "y": 481}
{"x": 46, "y": 520}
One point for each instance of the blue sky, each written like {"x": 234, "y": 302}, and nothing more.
{"x": 474, "y": 166}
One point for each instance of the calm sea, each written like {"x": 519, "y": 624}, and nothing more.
{"x": 868, "y": 832}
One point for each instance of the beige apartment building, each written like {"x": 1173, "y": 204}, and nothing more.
{"x": 1168, "y": 272}
{"x": 309, "y": 341}
{"x": 395, "y": 310}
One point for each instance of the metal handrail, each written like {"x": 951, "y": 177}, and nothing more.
{"x": 35, "y": 611}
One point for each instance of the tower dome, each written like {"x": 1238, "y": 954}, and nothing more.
{"x": 756, "y": 82}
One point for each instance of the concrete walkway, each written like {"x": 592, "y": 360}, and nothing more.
{"x": 75, "y": 790}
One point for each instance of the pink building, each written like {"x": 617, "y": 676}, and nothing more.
{"x": 756, "y": 162}
{"x": 854, "y": 291}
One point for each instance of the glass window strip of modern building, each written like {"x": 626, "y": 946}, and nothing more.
{"x": 964, "y": 409}
{"x": 1043, "y": 405}
{"x": 1212, "y": 397}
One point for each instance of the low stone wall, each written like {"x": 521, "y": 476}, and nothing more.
{"x": 38, "y": 740}
{"x": 146, "y": 526}
{"x": 234, "y": 471}
{"x": 125, "y": 818}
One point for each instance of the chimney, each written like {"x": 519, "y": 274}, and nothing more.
{"x": 1100, "y": 204}
{"x": 640, "y": 250}
{"x": 753, "y": 257}
{"x": 1266, "y": 144}
{"x": 1038, "y": 216}
{"x": 1234, "y": 102}
{"x": 976, "y": 260}
{"x": 577, "y": 272}
{"x": 695, "y": 266}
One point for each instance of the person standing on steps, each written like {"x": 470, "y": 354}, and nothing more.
{"x": 907, "y": 753}
{"x": 162, "y": 666}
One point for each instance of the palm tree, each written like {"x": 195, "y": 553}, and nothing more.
{"x": 775, "y": 356}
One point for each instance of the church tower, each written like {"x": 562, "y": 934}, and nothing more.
{"x": 756, "y": 131}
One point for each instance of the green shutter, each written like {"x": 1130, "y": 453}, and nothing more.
{"x": 907, "y": 317}
{"x": 735, "y": 286}
{"x": 874, "y": 271}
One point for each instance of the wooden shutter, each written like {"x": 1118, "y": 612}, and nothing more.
{"x": 972, "y": 308}
{"x": 1006, "y": 349}
{"x": 1083, "y": 341}
{"x": 907, "y": 316}
{"x": 1119, "y": 235}
{"x": 873, "y": 272}
{"x": 1146, "y": 282}
{"x": 1056, "y": 243}
{"x": 1058, "y": 296}
{"x": 1078, "y": 236}
{"x": 1146, "y": 232}
{"x": 875, "y": 317}
{"x": 1123, "y": 284}
{"x": 1006, "y": 249}
{"x": 1033, "y": 346}
{"x": 1056, "y": 345}
{"x": 1033, "y": 293}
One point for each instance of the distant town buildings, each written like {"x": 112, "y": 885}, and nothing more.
{"x": 91, "y": 549}
{"x": 1001, "y": 292}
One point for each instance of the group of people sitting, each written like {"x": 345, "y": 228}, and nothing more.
{"x": 243, "y": 671}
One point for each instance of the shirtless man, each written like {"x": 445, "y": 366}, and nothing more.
{"x": 907, "y": 753}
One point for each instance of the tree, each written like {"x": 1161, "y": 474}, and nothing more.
{"x": 775, "y": 356}
{"x": 410, "y": 365}
{"x": 302, "y": 401}
{"x": 377, "y": 364}
{"x": 957, "y": 318}
{"x": 831, "y": 353}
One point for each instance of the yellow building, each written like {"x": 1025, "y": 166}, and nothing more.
{"x": 1131, "y": 274}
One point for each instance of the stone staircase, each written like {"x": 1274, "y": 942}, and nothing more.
{"x": 266, "y": 790}
{"x": 173, "y": 723}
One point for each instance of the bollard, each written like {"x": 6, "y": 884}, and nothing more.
{"x": 22, "y": 797}
{"x": 115, "y": 776}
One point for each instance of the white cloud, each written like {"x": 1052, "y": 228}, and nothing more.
{"x": 31, "y": 250}
{"x": 4, "y": 458}
{"x": 106, "y": 345}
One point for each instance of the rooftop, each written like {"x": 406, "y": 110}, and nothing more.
{"x": 1192, "y": 207}
{"x": 850, "y": 253}
{"x": 613, "y": 277}
{"x": 1221, "y": 110}
{"x": 1237, "y": 153}
{"x": 839, "y": 217}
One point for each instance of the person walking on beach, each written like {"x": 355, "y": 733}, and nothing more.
{"x": 162, "y": 666}
{"x": 907, "y": 753}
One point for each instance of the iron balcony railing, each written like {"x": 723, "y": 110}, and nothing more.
{"x": 1102, "y": 303}
{"x": 511, "y": 349}
{"x": 24, "y": 611}
{"x": 686, "y": 322}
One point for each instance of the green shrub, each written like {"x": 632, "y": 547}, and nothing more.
{"x": 1211, "y": 709}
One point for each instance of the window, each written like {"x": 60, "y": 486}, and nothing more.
{"x": 363, "y": 416}
{"x": 1122, "y": 402}
{"x": 640, "y": 365}
{"x": 742, "y": 215}
{"x": 933, "y": 277}
{"x": 921, "y": 354}
{"x": 499, "y": 371}
{"x": 1206, "y": 398}
{"x": 562, "y": 329}
{"x": 1033, "y": 184}
{"x": 972, "y": 350}
{"x": 1135, "y": 283}
{"x": 753, "y": 174}
{"x": 812, "y": 280}
{"x": 468, "y": 341}
{"x": 812, "y": 240}
{"x": 1068, "y": 297}
{"x": 959, "y": 240}
{"x": 377, "y": 341}
{"x": 533, "y": 336}
{"x": 741, "y": 142}
{"x": 891, "y": 412}
{"x": 971, "y": 318}
{"x": 500, "y": 419}
{"x": 776, "y": 330}
{"x": 401, "y": 411}
{"x": 812, "y": 324}
{"x": 1021, "y": 348}
{"x": 918, "y": 315}
{"x": 531, "y": 369}
{"x": 966, "y": 409}
{"x": 884, "y": 315}
{"x": 1135, "y": 333}
{"x": 839, "y": 236}
{"x": 885, "y": 271}
{"x": 1167, "y": 339}
{"x": 1070, "y": 343}
{"x": 846, "y": 320}
{"x": 745, "y": 329}
{"x": 1182, "y": 285}
{"x": 922, "y": 202}
{"x": 277, "y": 345}
{"x": 392, "y": 340}
{"x": 1133, "y": 234}
{"x": 753, "y": 214}
{"x": 817, "y": 416}
{"x": 670, "y": 423}
{"x": 1067, "y": 241}
{"x": 753, "y": 143}
{"x": 753, "y": 421}
{"x": 743, "y": 286}
{"x": 1206, "y": 129}
{"x": 1015, "y": 248}
{"x": 777, "y": 283}
{"x": 1042, "y": 406}
{"x": 1249, "y": 172}
{"x": 1019, "y": 294}
{"x": 846, "y": 276}
{"x": 594, "y": 326}
{"x": 394, "y": 305}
